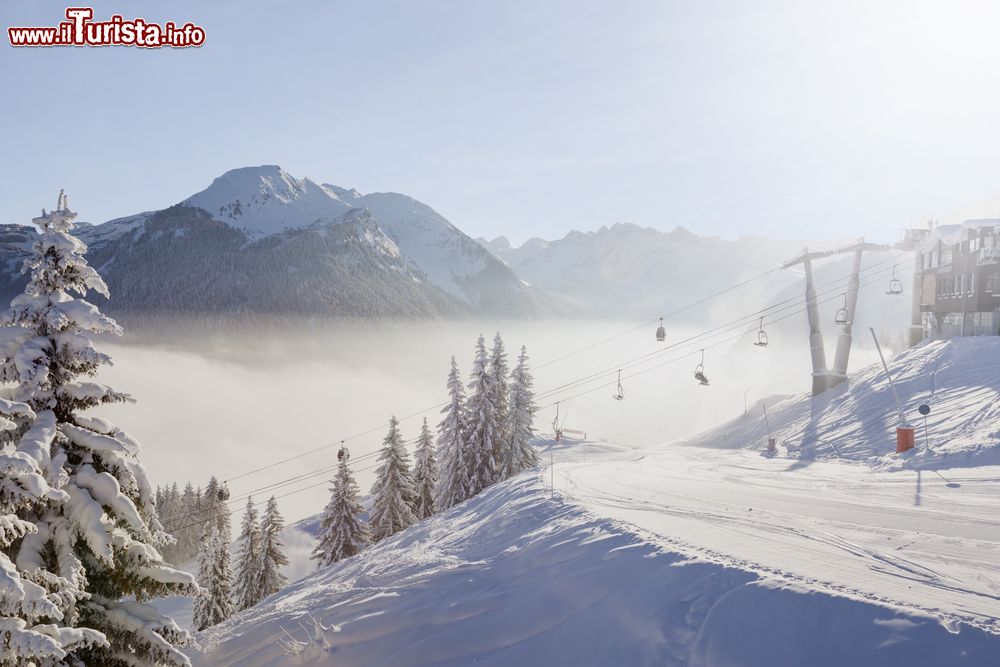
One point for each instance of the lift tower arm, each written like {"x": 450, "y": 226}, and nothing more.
{"x": 822, "y": 377}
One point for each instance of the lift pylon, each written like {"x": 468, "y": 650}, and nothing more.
{"x": 822, "y": 377}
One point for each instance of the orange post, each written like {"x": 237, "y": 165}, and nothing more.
{"x": 771, "y": 446}
{"x": 904, "y": 438}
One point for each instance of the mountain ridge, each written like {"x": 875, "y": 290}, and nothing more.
{"x": 445, "y": 272}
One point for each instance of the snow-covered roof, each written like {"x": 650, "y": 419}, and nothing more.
{"x": 955, "y": 233}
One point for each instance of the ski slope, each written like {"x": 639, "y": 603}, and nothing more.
{"x": 705, "y": 553}
{"x": 959, "y": 379}
{"x": 922, "y": 541}
{"x": 520, "y": 576}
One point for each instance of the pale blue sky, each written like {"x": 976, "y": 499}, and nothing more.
{"x": 525, "y": 118}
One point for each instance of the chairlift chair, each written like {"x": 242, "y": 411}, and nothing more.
{"x": 343, "y": 454}
{"x": 843, "y": 316}
{"x": 895, "y": 284}
{"x": 620, "y": 395}
{"x": 761, "y": 335}
{"x": 661, "y": 332}
{"x": 699, "y": 371}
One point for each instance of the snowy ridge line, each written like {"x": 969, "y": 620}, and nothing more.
{"x": 733, "y": 324}
{"x": 680, "y": 357}
{"x": 710, "y": 333}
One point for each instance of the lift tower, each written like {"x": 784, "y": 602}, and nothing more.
{"x": 822, "y": 377}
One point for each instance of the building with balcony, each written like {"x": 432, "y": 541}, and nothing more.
{"x": 956, "y": 280}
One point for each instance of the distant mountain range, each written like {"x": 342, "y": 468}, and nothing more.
{"x": 259, "y": 242}
{"x": 630, "y": 271}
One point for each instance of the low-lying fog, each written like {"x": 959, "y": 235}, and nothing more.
{"x": 232, "y": 408}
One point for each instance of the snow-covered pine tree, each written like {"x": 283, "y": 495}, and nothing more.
{"x": 425, "y": 474}
{"x": 215, "y": 603}
{"x": 185, "y": 525}
{"x": 214, "y": 508}
{"x": 393, "y": 493}
{"x": 500, "y": 399}
{"x": 27, "y": 609}
{"x": 520, "y": 455}
{"x": 96, "y": 545}
{"x": 482, "y": 421}
{"x": 272, "y": 551}
{"x": 453, "y": 449}
{"x": 342, "y": 533}
{"x": 172, "y": 508}
{"x": 246, "y": 587}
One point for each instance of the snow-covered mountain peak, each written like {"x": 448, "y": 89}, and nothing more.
{"x": 266, "y": 200}
{"x": 348, "y": 195}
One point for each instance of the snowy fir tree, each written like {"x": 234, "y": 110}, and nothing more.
{"x": 272, "y": 551}
{"x": 482, "y": 421}
{"x": 342, "y": 532}
{"x": 185, "y": 527}
{"x": 28, "y": 610}
{"x": 171, "y": 515}
{"x": 213, "y": 508}
{"x": 393, "y": 492}
{"x": 498, "y": 372}
{"x": 214, "y": 604}
{"x": 246, "y": 587}
{"x": 518, "y": 454}
{"x": 425, "y": 474}
{"x": 94, "y": 542}
{"x": 454, "y": 482}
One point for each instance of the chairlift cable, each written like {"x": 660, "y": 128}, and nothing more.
{"x": 708, "y": 333}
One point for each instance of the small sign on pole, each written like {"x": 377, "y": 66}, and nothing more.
{"x": 925, "y": 410}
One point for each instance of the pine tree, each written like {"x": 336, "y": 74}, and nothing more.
{"x": 482, "y": 422}
{"x": 498, "y": 373}
{"x": 246, "y": 591}
{"x": 96, "y": 544}
{"x": 453, "y": 450}
{"x": 173, "y": 512}
{"x": 520, "y": 455}
{"x": 185, "y": 525}
{"x": 425, "y": 476}
{"x": 343, "y": 533}
{"x": 272, "y": 551}
{"x": 213, "y": 508}
{"x": 27, "y": 608}
{"x": 394, "y": 493}
{"x": 214, "y": 604}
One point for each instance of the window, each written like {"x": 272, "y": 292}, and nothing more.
{"x": 993, "y": 282}
{"x": 972, "y": 284}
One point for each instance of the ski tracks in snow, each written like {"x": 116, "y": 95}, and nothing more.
{"x": 834, "y": 527}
